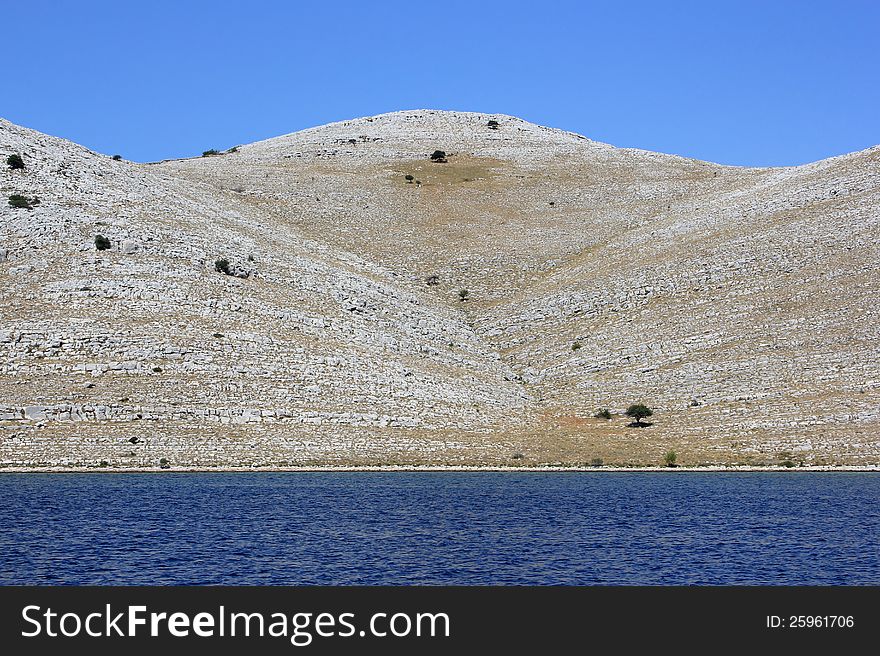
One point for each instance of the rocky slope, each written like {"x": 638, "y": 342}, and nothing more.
{"x": 736, "y": 302}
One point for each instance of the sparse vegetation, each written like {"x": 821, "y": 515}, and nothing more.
{"x": 493, "y": 124}
{"x": 234, "y": 149}
{"x": 157, "y": 370}
{"x": 439, "y": 157}
{"x": 576, "y": 346}
{"x": 222, "y": 266}
{"x": 21, "y": 202}
{"x": 117, "y": 158}
{"x": 517, "y": 456}
{"x": 432, "y": 280}
{"x": 102, "y": 243}
{"x": 164, "y": 464}
{"x": 638, "y": 411}
{"x": 210, "y": 152}
{"x": 669, "y": 458}
{"x": 603, "y": 413}
{"x": 463, "y": 294}
{"x": 15, "y": 161}
{"x": 409, "y": 178}
{"x": 596, "y": 462}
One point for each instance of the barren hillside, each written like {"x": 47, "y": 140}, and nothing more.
{"x": 737, "y": 303}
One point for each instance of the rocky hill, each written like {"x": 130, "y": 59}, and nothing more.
{"x": 338, "y": 296}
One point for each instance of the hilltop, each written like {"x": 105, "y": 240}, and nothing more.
{"x": 736, "y": 302}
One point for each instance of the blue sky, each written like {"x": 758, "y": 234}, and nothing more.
{"x": 749, "y": 83}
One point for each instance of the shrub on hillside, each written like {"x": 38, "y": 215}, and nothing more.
{"x": 20, "y": 202}
{"x": 117, "y": 158}
{"x": 669, "y": 458}
{"x": 210, "y": 152}
{"x": 439, "y": 156}
{"x": 102, "y": 243}
{"x": 222, "y": 266}
{"x": 463, "y": 294}
{"x": 596, "y": 462}
{"x": 432, "y": 280}
{"x": 493, "y": 124}
{"x": 576, "y": 346}
{"x": 15, "y": 161}
{"x": 604, "y": 413}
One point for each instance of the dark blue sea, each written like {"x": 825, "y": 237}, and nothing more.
{"x": 440, "y": 528}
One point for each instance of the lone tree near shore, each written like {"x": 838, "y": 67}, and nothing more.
{"x": 639, "y": 411}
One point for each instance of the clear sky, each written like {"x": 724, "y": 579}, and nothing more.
{"x": 738, "y": 82}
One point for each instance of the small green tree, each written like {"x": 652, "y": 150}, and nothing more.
{"x": 639, "y": 411}
{"x": 463, "y": 294}
{"x": 15, "y": 161}
{"x": 222, "y": 266}
{"x": 604, "y": 413}
{"x": 212, "y": 151}
{"x": 669, "y": 458}
{"x": 20, "y": 202}
{"x": 102, "y": 243}
{"x": 117, "y": 158}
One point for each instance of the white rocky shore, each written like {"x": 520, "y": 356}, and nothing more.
{"x": 739, "y": 303}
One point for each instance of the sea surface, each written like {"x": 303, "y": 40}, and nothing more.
{"x": 423, "y": 528}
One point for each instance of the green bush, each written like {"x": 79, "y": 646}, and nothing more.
{"x": 669, "y": 458}
{"x": 116, "y": 158}
{"x": 596, "y": 462}
{"x": 604, "y": 413}
{"x": 492, "y": 124}
{"x": 577, "y": 345}
{"x": 102, "y": 243}
{"x": 15, "y": 161}
{"x": 20, "y": 202}
{"x": 439, "y": 156}
{"x": 212, "y": 151}
{"x": 463, "y": 294}
{"x": 222, "y": 266}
